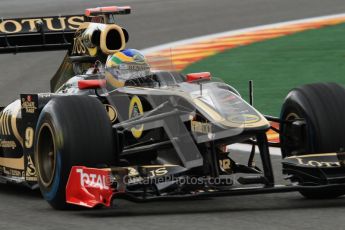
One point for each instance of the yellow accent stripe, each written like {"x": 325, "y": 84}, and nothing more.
{"x": 156, "y": 166}
{"x": 7, "y": 129}
{"x": 1, "y": 122}
{"x": 313, "y": 155}
{"x": 14, "y": 122}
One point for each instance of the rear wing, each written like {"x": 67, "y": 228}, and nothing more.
{"x": 20, "y": 35}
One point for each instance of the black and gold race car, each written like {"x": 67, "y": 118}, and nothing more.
{"x": 117, "y": 125}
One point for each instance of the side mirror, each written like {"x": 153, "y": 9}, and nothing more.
{"x": 203, "y": 76}
{"x": 91, "y": 84}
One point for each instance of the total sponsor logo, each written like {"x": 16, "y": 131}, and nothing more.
{"x": 93, "y": 180}
{"x": 89, "y": 186}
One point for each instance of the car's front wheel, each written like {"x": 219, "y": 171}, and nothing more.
{"x": 71, "y": 130}
{"x": 321, "y": 109}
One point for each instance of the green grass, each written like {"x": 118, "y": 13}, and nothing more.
{"x": 280, "y": 64}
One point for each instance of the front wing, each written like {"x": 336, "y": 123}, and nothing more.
{"x": 90, "y": 187}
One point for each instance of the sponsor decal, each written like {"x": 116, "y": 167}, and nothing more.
{"x": 93, "y": 180}
{"x": 225, "y": 164}
{"x": 32, "y": 179}
{"x": 244, "y": 119}
{"x": 30, "y": 169}
{"x": 150, "y": 171}
{"x": 314, "y": 163}
{"x": 78, "y": 45}
{"x": 27, "y": 25}
{"x": 158, "y": 172}
{"x": 29, "y": 137}
{"x": 136, "y": 109}
{"x": 28, "y": 104}
{"x": 134, "y": 180}
{"x": 12, "y": 172}
{"x": 224, "y": 161}
{"x": 132, "y": 172}
{"x": 89, "y": 187}
{"x": 8, "y": 144}
{"x": 132, "y": 67}
{"x": 112, "y": 112}
{"x": 200, "y": 127}
{"x": 133, "y": 176}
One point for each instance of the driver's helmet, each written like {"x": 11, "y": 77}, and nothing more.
{"x": 125, "y": 65}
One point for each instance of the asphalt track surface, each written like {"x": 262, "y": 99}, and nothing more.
{"x": 155, "y": 22}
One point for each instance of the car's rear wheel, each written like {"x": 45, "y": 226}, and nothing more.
{"x": 71, "y": 130}
{"x": 321, "y": 108}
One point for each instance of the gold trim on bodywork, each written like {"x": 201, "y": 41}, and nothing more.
{"x": 137, "y": 132}
{"x": 4, "y": 122}
{"x": 104, "y": 34}
{"x": 14, "y": 122}
{"x": 261, "y": 121}
{"x": 112, "y": 112}
{"x": 215, "y": 115}
{"x": 8, "y": 120}
{"x": 157, "y": 166}
{"x": 83, "y": 39}
{"x": 13, "y": 163}
{"x": 313, "y": 155}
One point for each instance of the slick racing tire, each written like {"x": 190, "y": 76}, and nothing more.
{"x": 321, "y": 106}
{"x": 71, "y": 130}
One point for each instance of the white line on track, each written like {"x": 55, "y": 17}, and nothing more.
{"x": 240, "y": 147}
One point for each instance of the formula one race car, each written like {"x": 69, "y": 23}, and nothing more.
{"x": 117, "y": 125}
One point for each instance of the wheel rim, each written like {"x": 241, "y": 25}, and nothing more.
{"x": 292, "y": 116}
{"x": 46, "y": 155}
{"x": 292, "y": 144}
